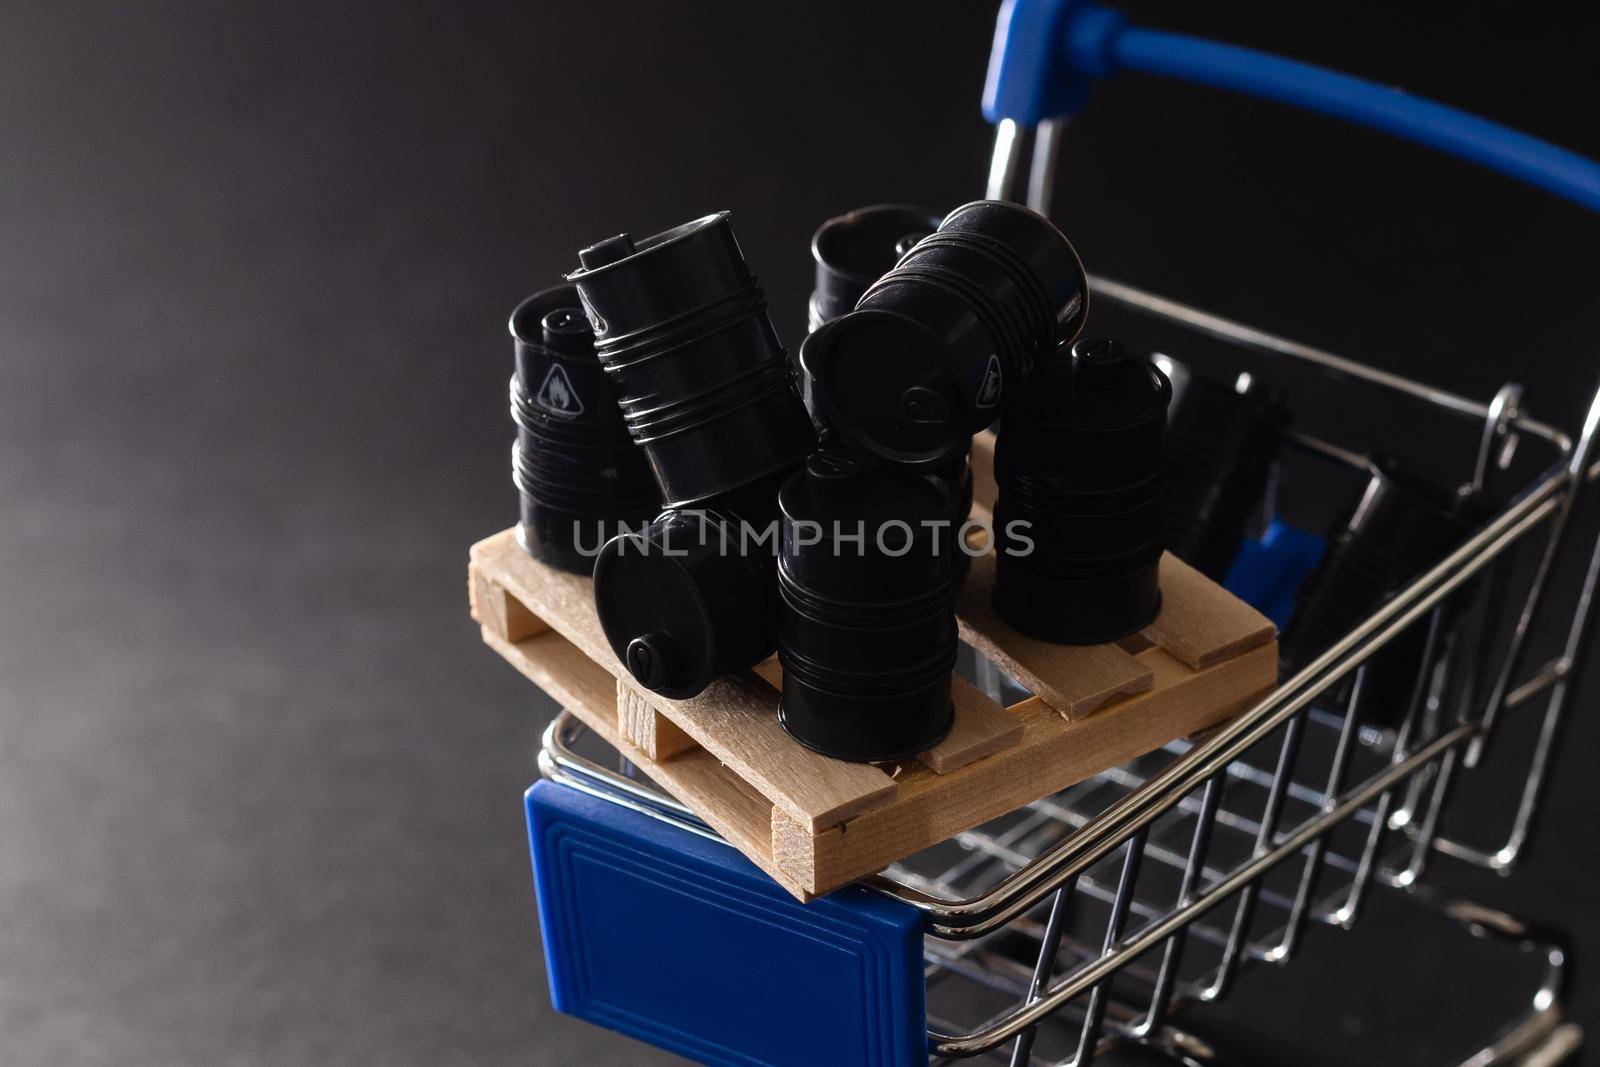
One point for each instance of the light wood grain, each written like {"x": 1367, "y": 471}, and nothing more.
{"x": 981, "y": 728}
{"x": 771, "y": 671}
{"x": 1073, "y": 679}
{"x": 1202, "y": 623}
{"x": 646, "y": 728}
{"x": 736, "y": 719}
{"x": 1134, "y": 644}
{"x": 1053, "y": 753}
{"x": 572, "y": 679}
{"x": 564, "y": 601}
{"x": 493, "y": 607}
{"x": 731, "y": 807}
{"x": 815, "y": 824}
{"x": 793, "y": 850}
{"x": 984, "y": 490}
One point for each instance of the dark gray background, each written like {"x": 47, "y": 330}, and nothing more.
{"x": 259, "y": 782}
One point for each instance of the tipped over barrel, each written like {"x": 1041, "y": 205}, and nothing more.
{"x": 924, "y": 360}
{"x": 705, "y": 388}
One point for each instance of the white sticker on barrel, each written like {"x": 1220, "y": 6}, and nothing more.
{"x": 557, "y": 396}
{"x": 989, "y": 393}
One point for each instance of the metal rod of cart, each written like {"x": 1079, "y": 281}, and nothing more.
{"x": 1090, "y": 918}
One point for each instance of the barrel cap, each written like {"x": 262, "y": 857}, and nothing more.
{"x": 685, "y": 600}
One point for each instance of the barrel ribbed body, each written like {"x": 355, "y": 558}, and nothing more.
{"x": 681, "y": 327}
{"x": 923, "y": 361}
{"x": 1079, "y": 464}
{"x": 867, "y": 631}
{"x": 706, "y": 390}
{"x": 853, "y": 250}
{"x": 578, "y": 476}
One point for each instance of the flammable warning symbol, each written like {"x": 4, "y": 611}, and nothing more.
{"x": 557, "y": 396}
{"x": 989, "y": 392}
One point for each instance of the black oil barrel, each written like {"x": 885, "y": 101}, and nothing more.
{"x": 1223, "y": 439}
{"x": 923, "y": 361}
{"x": 866, "y": 625}
{"x": 853, "y": 250}
{"x": 681, "y": 327}
{"x": 1079, "y": 465}
{"x": 683, "y": 601}
{"x": 578, "y": 476}
{"x": 1403, "y": 524}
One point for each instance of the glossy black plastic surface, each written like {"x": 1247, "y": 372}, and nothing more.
{"x": 578, "y": 476}
{"x": 955, "y": 482}
{"x": 1222, "y": 441}
{"x": 686, "y": 600}
{"x": 923, "y": 361}
{"x": 682, "y": 329}
{"x": 1403, "y": 524}
{"x": 853, "y": 250}
{"x": 867, "y": 630}
{"x": 1079, "y": 465}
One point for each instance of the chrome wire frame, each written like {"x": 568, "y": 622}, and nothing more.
{"x": 1101, "y": 911}
{"x": 1251, "y": 784}
{"x": 1128, "y": 897}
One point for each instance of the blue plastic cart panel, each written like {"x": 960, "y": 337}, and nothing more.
{"x": 681, "y": 942}
{"x": 1267, "y": 574}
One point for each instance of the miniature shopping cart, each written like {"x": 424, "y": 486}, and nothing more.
{"x": 1087, "y": 919}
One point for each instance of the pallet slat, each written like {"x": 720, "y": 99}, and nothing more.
{"x": 736, "y": 720}
{"x": 984, "y": 490}
{"x": 1054, "y": 752}
{"x": 563, "y": 601}
{"x": 981, "y": 728}
{"x": 571, "y": 678}
{"x": 1199, "y": 627}
{"x": 647, "y": 729}
{"x": 814, "y": 824}
{"x": 1073, "y": 679}
{"x": 731, "y": 807}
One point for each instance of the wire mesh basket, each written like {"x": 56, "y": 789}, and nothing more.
{"x": 1088, "y": 918}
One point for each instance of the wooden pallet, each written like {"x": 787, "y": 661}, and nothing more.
{"x": 815, "y": 823}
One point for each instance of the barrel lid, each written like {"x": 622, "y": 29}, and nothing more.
{"x": 614, "y": 250}
{"x": 653, "y": 608}
{"x": 879, "y": 378}
{"x": 1113, "y": 390}
{"x": 837, "y": 485}
{"x": 861, "y": 246}
{"x": 527, "y": 321}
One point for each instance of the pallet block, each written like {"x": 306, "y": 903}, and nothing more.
{"x": 814, "y": 823}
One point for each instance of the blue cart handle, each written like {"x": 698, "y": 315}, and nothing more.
{"x": 1047, "y": 53}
